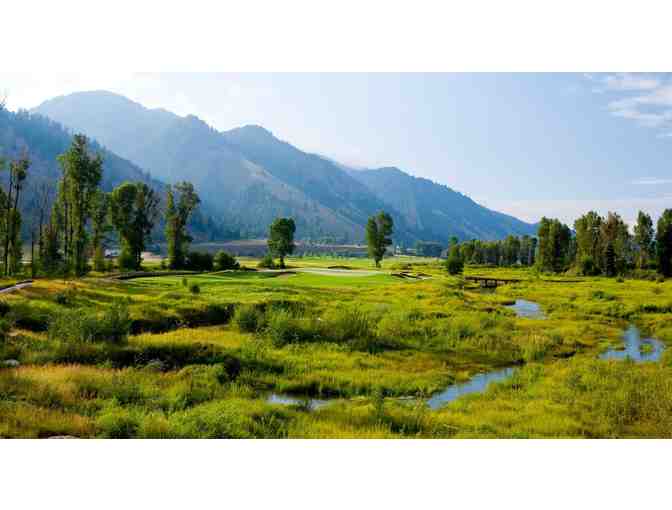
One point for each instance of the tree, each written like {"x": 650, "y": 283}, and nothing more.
{"x": 589, "y": 240}
{"x": 134, "y": 209}
{"x": 615, "y": 236}
{"x": 554, "y": 245}
{"x": 454, "y": 262}
{"x": 81, "y": 177}
{"x": 281, "y": 238}
{"x": 664, "y": 243}
{"x": 11, "y": 231}
{"x": 178, "y": 212}
{"x": 379, "y": 230}
{"x": 99, "y": 223}
{"x": 644, "y": 236}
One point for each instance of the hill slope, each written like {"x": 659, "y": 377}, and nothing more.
{"x": 434, "y": 211}
{"x": 175, "y": 148}
{"x": 250, "y": 176}
{"x": 45, "y": 139}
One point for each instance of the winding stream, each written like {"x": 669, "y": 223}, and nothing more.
{"x": 636, "y": 348}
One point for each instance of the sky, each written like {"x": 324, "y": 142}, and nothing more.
{"x": 526, "y": 144}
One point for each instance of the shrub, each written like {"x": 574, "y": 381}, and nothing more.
{"x": 587, "y": 266}
{"x": 267, "y": 262}
{"x": 78, "y": 325}
{"x": 282, "y": 328}
{"x": 224, "y": 260}
{"x": 5, "y": 327}
{"x": 185, "y": 282}
{"x": 249, "y": 319}
{"x": 4, "y": 308}
{"x": 454, "y": 265}
{"x": 194, "y": 288}
{"x": 199, "y": 261}
{"x": 61, "y": 298}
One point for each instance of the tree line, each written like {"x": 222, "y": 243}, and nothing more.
{"x": 597, "y": 245}
{"x": 78, "y": 220}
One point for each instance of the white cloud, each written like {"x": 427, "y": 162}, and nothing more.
{"x": 652, "y": 181}
{"x": 630, "y": 81}
{"x": 645, "y": 99}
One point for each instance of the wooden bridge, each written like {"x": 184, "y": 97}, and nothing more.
{"x": 491, "y": 281}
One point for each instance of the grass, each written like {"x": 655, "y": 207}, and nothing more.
{"x": 201, "y": 364}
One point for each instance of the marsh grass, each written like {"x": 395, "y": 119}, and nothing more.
{"x": 201, "y": 365}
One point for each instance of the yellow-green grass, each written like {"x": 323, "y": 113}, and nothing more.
{"x": 200, "y": 376}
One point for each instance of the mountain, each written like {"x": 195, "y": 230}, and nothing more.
{"x": 44, "y": 140}
{"x": 172, "y": 148}
{"x": 434, "y": 211}
{"x": 249, "y": 177}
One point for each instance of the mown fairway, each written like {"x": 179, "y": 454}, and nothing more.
{"x": 206, "y": 351}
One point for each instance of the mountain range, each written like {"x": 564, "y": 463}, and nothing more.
{"x": 247, "y": 176}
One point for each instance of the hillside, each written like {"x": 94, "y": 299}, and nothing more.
{"x": 434, "y": 211}
{"x": 249, "y": 176}
{"x": 45, "y": 139}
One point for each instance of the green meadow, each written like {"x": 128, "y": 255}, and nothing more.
{"x": 356, "y": 355}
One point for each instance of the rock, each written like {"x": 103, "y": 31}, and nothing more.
{"x": 11, "y": 363}
{"x": 62, "y": 437}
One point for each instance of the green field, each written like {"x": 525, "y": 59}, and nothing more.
{"x": 206, "y": 351}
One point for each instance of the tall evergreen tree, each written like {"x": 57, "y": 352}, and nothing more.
{"x": 379, "y": 230}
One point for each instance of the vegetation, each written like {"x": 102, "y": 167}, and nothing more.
{"x": 379, "y": 230}
{"x": 177, "y": 216}
{"x": 154, "y": 357}
{"x": 281, "y": 238}
{"x": 134, "y": 209}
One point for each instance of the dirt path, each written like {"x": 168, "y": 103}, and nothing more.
{"x": 16, "y": 286}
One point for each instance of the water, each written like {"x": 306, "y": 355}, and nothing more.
{"x": 312, "y": 403}
{"x": 476, "y": 384}
{"x": 528, "y": 309}
{"x": 634, "y": 348}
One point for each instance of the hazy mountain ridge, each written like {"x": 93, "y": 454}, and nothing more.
{"x": 435, "y": 210}
{"x": 249, "y": 176}
{"x": 45, "y": 139}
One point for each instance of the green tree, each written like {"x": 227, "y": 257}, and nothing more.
{"x": 11, "y": 228}
{"x": 589, "y": 240}
{"x": 644, "y": 237}
{"x": 454, "y": 262}
{"x": 664, "y": 243}
{"x": 379, "y": 230}
{"x": 81, "y": 176}
{"x": 281, "y": 238}
{"x": 614, "y": 232}
{"x": 100, "y": 227}
{"x": 134, "y": 209}
{"x": 178, "y": 212}
{"x": 554, "y": 245}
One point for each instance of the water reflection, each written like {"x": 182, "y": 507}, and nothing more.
{"x": 476, "y": 384}
{"x": 528, "y": 309}
{"x": 636, "y": 348}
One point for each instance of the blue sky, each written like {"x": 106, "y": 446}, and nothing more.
{"x": 526, "y": 144}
